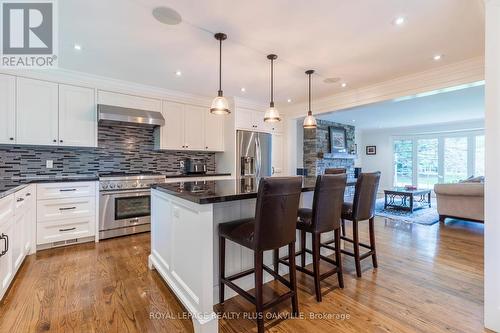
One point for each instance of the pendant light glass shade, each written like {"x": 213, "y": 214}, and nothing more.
{"x": 272, "y": 114}
{"x": 220, "y": 105}
{"x": 310, "y": 121}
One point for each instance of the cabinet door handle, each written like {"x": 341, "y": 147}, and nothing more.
{"x": 67, "y": 190}
{"x": 67, "y": 208}
{"x": 28, "y": 194}
{"x": 61, "y": 141}
{"x": 68, "y": 229}
{"x": 11, "y": 139}
{"x": 273, "y": 171}
{"x": 54, "y": 140}
{"x": 6, "y": 244}
{"x": 20, "y": 199}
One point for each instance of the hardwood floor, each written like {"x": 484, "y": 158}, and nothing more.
{"x": 430, "y": 279}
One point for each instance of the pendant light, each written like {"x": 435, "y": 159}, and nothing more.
{"x": 272, "y": 114}
{"x": 310, "y": 121}
{"x": 220, "y": 105}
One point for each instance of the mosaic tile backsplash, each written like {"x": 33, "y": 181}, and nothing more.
{"x": 121, "y": 149}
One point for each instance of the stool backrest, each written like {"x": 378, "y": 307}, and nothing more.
{"x": 328, "y": 201}
{"x": 335, "y": 171}
{"x": 365, "y": 195}
{"x": 276, "y": 212}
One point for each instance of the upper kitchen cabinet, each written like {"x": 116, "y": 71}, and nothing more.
{"x": 194, "y": 127}
{"x": 172, "y": 133}
{"x": 37, "y": 112}
{"x": 128, "y": 101}
{"x": 190, "y": 127}
{"x": 77, "y": 116}
{"x": 250, "y": 120}
{"x": 214, "y": 132}
{"x": 7, "y": 109}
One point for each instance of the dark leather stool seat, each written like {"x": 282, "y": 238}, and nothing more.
{"x": 273, "y": 227}
{"x": 323, "y": 217}
{"x": 335, "y": 171}
{"x": 240, "y": 231}
{"x": 362, "y": 208}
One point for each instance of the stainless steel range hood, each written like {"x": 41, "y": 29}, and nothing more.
{"x": 109, "y": 114}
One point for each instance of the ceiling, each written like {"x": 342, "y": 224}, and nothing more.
{"x": 354, "y": 40}
{"x": 459, "y": 105}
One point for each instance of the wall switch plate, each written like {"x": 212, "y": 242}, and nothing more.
{"x": 49, "y": 164}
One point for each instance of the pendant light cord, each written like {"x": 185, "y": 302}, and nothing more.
{"x": 220, "y": 67}
{"x": 272, "y": 83}
{"x": 310, "y": 93}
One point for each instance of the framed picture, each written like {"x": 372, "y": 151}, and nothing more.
{"x": 338, "y": 139}
{"x": 371, "y": 150}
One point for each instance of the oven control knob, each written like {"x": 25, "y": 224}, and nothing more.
{"x": 104, "y": 186}
{"x": 119, "y": 185}
{"x": 111, "y": 185}
{"x": 134, "y": 184}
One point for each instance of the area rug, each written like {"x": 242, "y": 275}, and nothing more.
{"x": 425, "y": 215}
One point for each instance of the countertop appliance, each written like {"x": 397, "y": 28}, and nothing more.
{"x": 195, "y": 166}
{"x": 125, "y": 203}
{"x": 253, "y": 155}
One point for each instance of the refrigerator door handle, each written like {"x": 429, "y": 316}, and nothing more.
{"x": 258, "y": 157}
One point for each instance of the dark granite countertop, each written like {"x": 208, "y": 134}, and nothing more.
{"x": 9, "y": 186}
{"x": 209, "y": 192}
{"x": 200, "y": 175}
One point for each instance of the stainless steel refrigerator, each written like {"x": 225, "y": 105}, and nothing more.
{"x": 253, "y": 155}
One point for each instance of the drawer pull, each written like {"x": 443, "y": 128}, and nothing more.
{"x": 67, "y": 208}
{"x": 20, "y": 199}
{"x": 67, "y": 190}
{"x": 28, "y": 194}
{"x": 6, "y": 246}
{"x": 133, "y": 220}
{"x": 68, "y": 229}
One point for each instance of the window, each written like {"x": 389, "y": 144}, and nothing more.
{"x": 479, "y": 156}
{"x": 426, "y": 160}
{"x": 403, "y": 162}
{"x": 455, "y": 159}
{"x": 427, "y": 157}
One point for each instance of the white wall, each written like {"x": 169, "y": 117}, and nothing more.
{"x": 382, "y": 138}
{"x": 492, "y": 208}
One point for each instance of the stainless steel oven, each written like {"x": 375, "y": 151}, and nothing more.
{"x": 125, "y": 204}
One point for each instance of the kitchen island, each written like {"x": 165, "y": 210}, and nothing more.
{"x": 184, "y": 240}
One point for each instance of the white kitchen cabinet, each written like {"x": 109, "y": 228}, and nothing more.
{"x": 277, "y": 158}
{"x": 190, "y": 127}
{"x": 128, "y": 101}
{"x": 250, "y": 120}
{"x": 6, "y": 236}
{"x": 65, "y": 212}
{"x": 37, "y": 113}
{"x": 7, "y": 109}
{"x": 214, "y": 132}
{"x": 77, "y": 116}
{"x": 172, "y": 133}
{"x": 194, "y": 127}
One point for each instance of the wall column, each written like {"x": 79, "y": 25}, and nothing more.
{"x": 492, "y": 183}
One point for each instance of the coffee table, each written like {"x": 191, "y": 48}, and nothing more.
{"x": 404, "y": 199}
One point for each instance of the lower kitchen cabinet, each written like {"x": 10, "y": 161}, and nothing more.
{"x": 17, "y": 220}
{"x": 66, "y": 213}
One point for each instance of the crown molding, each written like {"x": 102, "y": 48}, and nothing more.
{"x": 468, "y": 71}
{"x": 71, "y": 77}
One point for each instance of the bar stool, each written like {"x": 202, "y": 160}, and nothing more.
{"x": 323, "y": 217}
{"x": 273, "y": 227}
{"x": 335, "y": 171}
{"x": 362, "y": 208}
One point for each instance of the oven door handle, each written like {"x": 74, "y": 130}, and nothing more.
{"x": 124, "y": 192}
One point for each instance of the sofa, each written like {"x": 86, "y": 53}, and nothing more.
{"x": 464, "y": 200}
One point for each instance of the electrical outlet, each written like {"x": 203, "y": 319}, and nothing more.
{"x": 181, "y": 164}
{"x": 49, "y": 164}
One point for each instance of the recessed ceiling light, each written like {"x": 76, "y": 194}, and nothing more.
{"x": 243, "y": 89}
{"x": 437, "y": 57}
{"x": 343, "y": 85}
{"x": 289, "y": 100}
{"x": 77, "y": 47}
{"x": 400, "y": 20}
{"x": 167, "y": 15}
{"x": 178, "y": 73}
